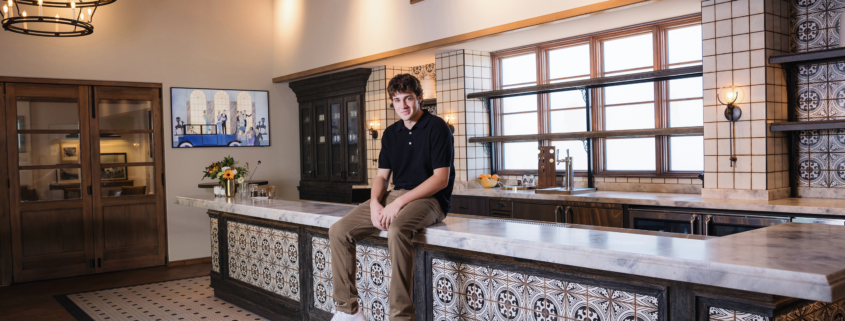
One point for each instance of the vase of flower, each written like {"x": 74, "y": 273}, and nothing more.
{"x": 230, "y": 187}
{"x": 227, "y": 175}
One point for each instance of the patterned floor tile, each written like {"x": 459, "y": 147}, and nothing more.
{"x": 191, "y": 299}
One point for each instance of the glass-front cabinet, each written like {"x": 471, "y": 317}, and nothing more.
{"x": 330, "y": 143}
{"x": 85, "y": 179}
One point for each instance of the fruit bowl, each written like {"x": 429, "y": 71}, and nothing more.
{"x": 488, "y": 182}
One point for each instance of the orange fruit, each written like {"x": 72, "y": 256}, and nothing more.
{"x": 481, "y": 176}
{"x": 495, "y": 176}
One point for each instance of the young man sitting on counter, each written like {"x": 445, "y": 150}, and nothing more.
{"x": 419, "y": 151}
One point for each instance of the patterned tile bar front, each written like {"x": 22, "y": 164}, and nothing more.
{"x": 215, "y": 247}
{"x": 372, "y": 278}
{"x": 472, "y": 292}
{"x": 264, "y": 257}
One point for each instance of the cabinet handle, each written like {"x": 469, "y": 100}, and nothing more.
{"x": 706, "y": 223}
{"x": 500, "y": 205}
{"x": 558, "y": 216}
{"x": 92, "y": 263}
{"x": 692, "y": 223}
{"x": 566, "y": 214}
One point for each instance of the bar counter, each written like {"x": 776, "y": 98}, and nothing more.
{"x": 489, "y": 269}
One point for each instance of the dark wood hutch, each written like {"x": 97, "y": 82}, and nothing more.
{"x": 331, "y": 125}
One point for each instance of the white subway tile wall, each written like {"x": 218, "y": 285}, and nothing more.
{"x": 738, "y": 37}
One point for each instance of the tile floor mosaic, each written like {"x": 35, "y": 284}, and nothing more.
{"x": 186, "y": 299}
{"x": 372, "y": 278}
{"x": 264, "y": 257}
{"x": 472, "y": 292}
{"x": 215, "y": 247}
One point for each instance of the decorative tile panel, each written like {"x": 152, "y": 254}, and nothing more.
{"x": 215, "y": 247}
{"x": 372, "y": 278}
{"x": 475, "y": 292}
{"x": 265, "y": 258}
{"x": 719, "y": 314}
{"x": 815, "y": 311}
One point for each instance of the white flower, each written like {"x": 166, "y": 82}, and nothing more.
{"x": 224, "y": 168}
{"x": 234, "y": 171}
{"x": 240, "y": 180}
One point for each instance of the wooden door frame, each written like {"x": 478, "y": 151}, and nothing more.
{"x": 130, "y": 93}
{"x": 81, "y": 93}
{"x": 5, "y": 218}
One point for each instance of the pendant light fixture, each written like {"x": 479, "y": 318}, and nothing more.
{"x": 71, "y": 18}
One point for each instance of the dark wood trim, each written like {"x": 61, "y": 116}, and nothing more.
{"x": 594, "y": 134}
{"x": 807, "y": 125}
{"x": 189, "y": 262}
{"x": 6, "y": 267}
{"x": 566, "y": 14}
{"x": 649, "y": 76}
{"x": 810, "y": 57}
{"x": 350, "y": 82}
{"x": 81, "y": 82}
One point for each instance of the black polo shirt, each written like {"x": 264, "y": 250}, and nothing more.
{"x": 413, "y": 154}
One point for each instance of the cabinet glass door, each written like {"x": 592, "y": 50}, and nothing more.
{"x": 49, "y": 167}
{"x": 322, "y": 138}
{"x": 338, "y": 139}
{"x": 306, "y": 136}
{"x": 127, "y": 178}
{"x": 353, "y": 157}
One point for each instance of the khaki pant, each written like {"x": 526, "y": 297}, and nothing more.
{"x": 356, "y": 226}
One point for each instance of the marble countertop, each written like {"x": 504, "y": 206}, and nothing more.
{"x": 798, "y": 206}
{"x": 795, "y": 260}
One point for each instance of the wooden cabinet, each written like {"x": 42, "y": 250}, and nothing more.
{"x": 470, "y": 205}
{"x": 71, "y": 144}
{"x": 536, "y": 212}
{"x": 597, "y": 216}
{"x": 331, "y": 121}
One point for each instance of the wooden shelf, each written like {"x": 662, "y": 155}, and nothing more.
{"x": 595, "y": 134}
{"x": 818, "y": 56}
{"x": 639, "y": 77}
{"x": 807, "y": 125}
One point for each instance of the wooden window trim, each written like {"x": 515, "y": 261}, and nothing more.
{"x": 659, "y": 31}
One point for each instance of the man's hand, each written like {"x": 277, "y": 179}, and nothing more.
{"x": 388, "y": 214}
{"x": 376, "y": 215}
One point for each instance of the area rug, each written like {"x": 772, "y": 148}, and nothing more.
{"x": 184, "y": 299}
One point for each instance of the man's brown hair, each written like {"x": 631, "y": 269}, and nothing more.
{"x": 404, "y": 83}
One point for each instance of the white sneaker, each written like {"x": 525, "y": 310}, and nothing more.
{"x": 343, "y": 316}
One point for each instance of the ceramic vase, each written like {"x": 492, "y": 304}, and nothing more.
{"x": 229, "y": 185}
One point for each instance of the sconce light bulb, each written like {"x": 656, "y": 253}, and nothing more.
{"x": 24, "y": 14}
{"x": 5, "y": 9}
{"x": 730, "y": 95}
{"x": 57, "y": 16}
{"x": 89, "y": 12}
{"x": 73, "y": 5}
{"x": 40, "y": 2}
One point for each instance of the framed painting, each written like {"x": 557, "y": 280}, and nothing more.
{"x": 69, "y": 152}
{"x": 113, "y": 173}
{"x": 202, "y": 117}
{"x": 67, "y": 175}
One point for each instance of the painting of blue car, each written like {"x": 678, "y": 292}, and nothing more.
{"x": 219, "y": 118}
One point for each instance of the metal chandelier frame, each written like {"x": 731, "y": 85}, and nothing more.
{"x": 80, "y": 27}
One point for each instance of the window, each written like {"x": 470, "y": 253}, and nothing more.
{"x": 198, "y": 110}
{"x": 245, "y": 110}
{"x": 676, "y": 103}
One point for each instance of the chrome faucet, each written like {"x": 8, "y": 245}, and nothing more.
{"x": 568, "y": 173}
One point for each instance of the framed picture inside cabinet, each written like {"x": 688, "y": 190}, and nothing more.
{"x": 67, "y": 175}
{"x": 203, "y": 117}
{"x": 113, "y": 173}
{"x": 69, "y": 152}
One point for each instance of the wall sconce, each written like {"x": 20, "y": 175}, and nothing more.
{"x": 449, "y": 122}
{"x": 730, "y": 96}
{"x": 372, "y": 130}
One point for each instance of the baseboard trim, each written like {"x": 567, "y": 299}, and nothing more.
{"x": 190, "y": 262}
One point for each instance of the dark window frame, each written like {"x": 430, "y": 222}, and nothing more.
{"x": 659, "y": 31}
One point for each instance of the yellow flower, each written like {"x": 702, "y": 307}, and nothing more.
{"x": 228, "y": 174}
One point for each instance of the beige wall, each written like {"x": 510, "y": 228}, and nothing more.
{"x": 314, "y": 33}
{"x": 185, "y": 43}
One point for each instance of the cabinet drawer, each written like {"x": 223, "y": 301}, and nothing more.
{"x": 501, "y": 208}
{"x": 535, "y": 212}
{"x": 469, "y": 205}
